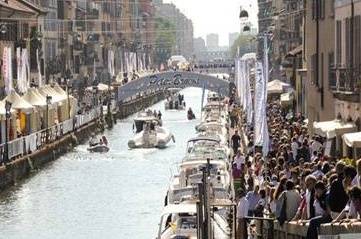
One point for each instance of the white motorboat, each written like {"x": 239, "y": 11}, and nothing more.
{"x": 149, "y": 133}
{"x": 181, "y": 221}
{"x": 174, "y": 100}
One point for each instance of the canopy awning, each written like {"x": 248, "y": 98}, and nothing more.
{"x": 352, "y": 139}
{"x": 277, "y": 87}
{"x": 179, "y": 208}
{"x": 331, "y": 129}
{"x": 286, "y": 98}
{"x": 295, "y": 51}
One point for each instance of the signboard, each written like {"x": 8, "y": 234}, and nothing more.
{"x": 172, "y": 79}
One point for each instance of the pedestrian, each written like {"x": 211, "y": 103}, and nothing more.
{"x": 236, "y": 141}
{"x": 242, "y": 211}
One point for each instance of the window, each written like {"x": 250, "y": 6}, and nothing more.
{"x": 357, "y": 43}
{"x": 338, "y": 42}
{"x": 331, "y": 71}
{"x": 348, "y": 41}
{"x": 314, "y": 69}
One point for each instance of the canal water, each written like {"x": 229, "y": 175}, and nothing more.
{"x": 115, "y": 195}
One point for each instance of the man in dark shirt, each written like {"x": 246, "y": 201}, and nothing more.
{"x": 236, "y": 141}
{"x": 338, "y": 197}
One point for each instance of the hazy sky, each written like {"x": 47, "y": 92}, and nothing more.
{"x": 216, "y": 16}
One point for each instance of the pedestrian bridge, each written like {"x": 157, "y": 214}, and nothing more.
{"x": 172, "y": 79}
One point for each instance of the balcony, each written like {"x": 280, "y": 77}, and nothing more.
{"x": 92, "y": 14}
{"x": 345, "y": 83}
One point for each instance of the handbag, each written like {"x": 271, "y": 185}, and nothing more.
{"x": 283, "y": 213}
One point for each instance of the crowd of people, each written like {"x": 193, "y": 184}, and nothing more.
{"x": 295, "y": 181}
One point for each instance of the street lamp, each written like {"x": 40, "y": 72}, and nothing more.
{"x": 68, "y": 85}
{"x": 48, "y": 102}
{"x": 7, "y": 117}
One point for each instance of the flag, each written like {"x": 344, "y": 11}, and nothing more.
{"x": 203, "y": 94}
{"x": 40, "y": 78}
{"x": 261, "y": 128}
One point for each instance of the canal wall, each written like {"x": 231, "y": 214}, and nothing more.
{"x": 138, "y": 104}
{"x": 23, "y": 166}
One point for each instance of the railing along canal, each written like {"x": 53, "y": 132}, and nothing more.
{"x": 31, "y": 143}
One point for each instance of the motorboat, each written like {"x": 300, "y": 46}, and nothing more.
{"x": 98, "y": 146}
{"x": 175, "y": 100}
{"x": 149, "y": 133}
{"x": 181, "y": 221}
{"x": 98, "y": 149}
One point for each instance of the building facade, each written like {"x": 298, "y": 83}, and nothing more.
{"x": 346, "y": 83}
{"x": 212, "y": 41}
{"x": 319, "y": 43}
{"x": 183, "y": 28}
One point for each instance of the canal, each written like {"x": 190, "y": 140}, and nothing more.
{"x": 115, "y": 195}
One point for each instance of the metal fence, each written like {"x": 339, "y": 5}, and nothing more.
{"x": 33, "y": 142}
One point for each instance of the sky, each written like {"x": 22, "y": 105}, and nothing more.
{"x": 216, "y": 16}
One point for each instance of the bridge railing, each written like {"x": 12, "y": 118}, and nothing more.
{"x": 31, "y": 143}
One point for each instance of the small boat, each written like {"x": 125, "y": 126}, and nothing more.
{"x": 149, "y": 133}
{"x": 98, "y": 149}
{"x": 174, "y": 100}
{"x": 98, "y": 146}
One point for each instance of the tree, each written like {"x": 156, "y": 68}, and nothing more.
{"x": 245, "y": 44}
{"x": 165, "y": 40}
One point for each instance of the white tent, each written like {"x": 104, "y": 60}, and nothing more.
{"x": 331, "y": 129}
{"x": 352, "y": 139}
{"x": 101, "y": 87}
{"x": 27, "y": 113}
{"x": 19, "y": 103}
{"x": 37, "y": 100}
{"x": 33, "y": 98}
{"x": 277, "y": 87}
{"x": 73, "y": 102}
{"x": 286, "y": 98}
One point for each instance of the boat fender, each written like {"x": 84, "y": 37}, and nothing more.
{"x": 173, "y": 138}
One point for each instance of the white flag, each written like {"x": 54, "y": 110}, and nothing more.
{"x": 261, "y": 128}
{"x": 40, "y": 78}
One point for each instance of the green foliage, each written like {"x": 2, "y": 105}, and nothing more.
{"x": 245, "y": 43}
{"x": 165, "y": 40}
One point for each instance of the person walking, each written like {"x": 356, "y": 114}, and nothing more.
{"x": 236, "y": 141}
{"x": 242, "y": 211}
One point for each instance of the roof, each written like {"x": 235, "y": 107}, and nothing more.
{"x": 18, "y": 102}
{"x": 21, "y": 6}
{"x": 330, "y": 129}
{"x": 295, "y": 51}
{"x": 352, "y": 139}
{"x": 179, "y": 208}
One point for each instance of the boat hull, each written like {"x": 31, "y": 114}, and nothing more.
{"x": 98, "y": 149}
{"x": 159, "y": 139}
